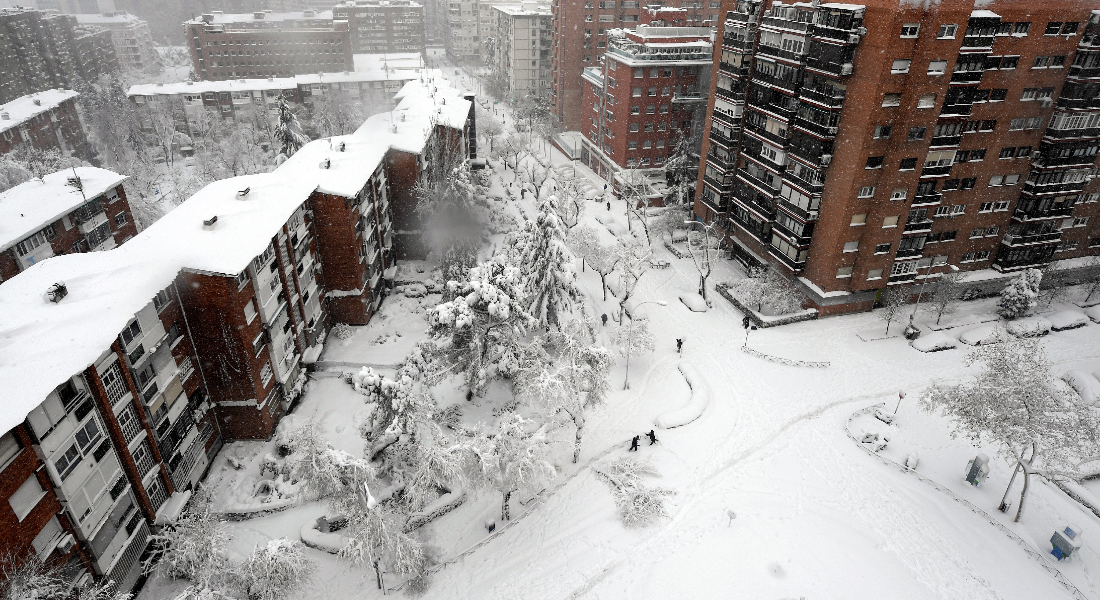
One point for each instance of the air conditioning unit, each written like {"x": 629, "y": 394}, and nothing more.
{"x": 66, "y": 543}
{"x": 846, "y": 69}
{"x": 862, "y": 31}
{"x": 853, "y": 39}
{"x": 1035, "y": 154}
{"x": 826, "y": 159}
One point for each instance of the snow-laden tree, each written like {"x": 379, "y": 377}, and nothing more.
{"x": 32, "y": 578}
{"x": 768, "y": 286}
{"x": 1016, "y": 403}
{"x": 1055, "y": 286}
{"x": 893, "y": 301}
{"x": 944, "y": 295}
{"x": 479, "y": 332}
{"x": 568, "y": 202}
{"x": 275, "y": 570}
{"x": 635, "y": 189}
{"x": 639, "y": 505}
{"x": 584, "y": 241}
{"x": 549, "y": 279}
{"x": 568, "y": 373}
{"x": 632, "y": 340}
{"x": 1021, "y": 294}
{"x": 514, "y": 457}
{"x": 1092, "y": 278}
{"x": 515, "y": 147}
{"x": 288, "y": 132}
{"x": 335, "y": 113}
{"x": 321, "y": 470}
{"x": 634, "y": 262}
{"x": 377, "y": 538}
{"x": 681, "y": 171}
{"x": 194, "y": 548}
{"x": 702, "y": 246}
{"x": 488, "y": 127}
{"x": 452, "y": 208}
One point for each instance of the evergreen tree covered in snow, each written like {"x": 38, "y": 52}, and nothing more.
{"x": 681, "y": 170}
{"x": 1015, "y": 402}
{"x": 321, "y": 470}
{"x": 452, "y": 207}
{"x": 566, "y": 372}
{"x": 478, "y": 333}
{"x": 1021, "y": 294}
{"x": 548, "y": 277}
{"x": 514, "y": 458}
{"x": 288, "y": 132}
{"x": 275, "y": 570}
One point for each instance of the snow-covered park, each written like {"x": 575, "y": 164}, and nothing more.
{"x": 785, "y": 462}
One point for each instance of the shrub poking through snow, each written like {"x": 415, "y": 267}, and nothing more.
{"x": 275, "y": 570}
{"x": 342, "y": 331}
{"x": 638, "y": 504}
{"x": 194, "y": 548}
{"x": 1021, "y": 294}
{"x": 767, "y": 287}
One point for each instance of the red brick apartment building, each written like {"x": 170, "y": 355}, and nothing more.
{"x": 48, "y": 120}
{"x": 267, "y": 44}
{"x": 644, "y": 95}
{"x": 146, "y": 358}
{"x": 865, "y": 146}
{"x": 580, "y": 38}
{"x": 380, "y": 26}
{"x": 75, "y": 210}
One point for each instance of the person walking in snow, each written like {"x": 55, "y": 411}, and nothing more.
{"x": 679, "y": 345}
{"x": 603, "y": 318}
{"x": 634, "y": 443}
{"x": 609, "y": 205}
{"x": 652, "y": 437}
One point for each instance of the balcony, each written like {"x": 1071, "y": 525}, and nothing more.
{"x": 744, "y": 176}
{"x": 1079, "y": 103}
{"x": 919, "y": 226}
{"x": 1063, "y": 161}
{"x": 1084, "y": 73}
{"x": 787, "y": 24}
{"x": 1015, "y": 240}
{"x": 688, "y": 98}
{"x": 723, "y": 165}
{"x": 956, "y": 110}
{"x": 900, "y": 279}
{"x": 837, "y": 34}
{"x": 731, "y": 95}
{"x": 1038, "y": 215}
{"x": 732, "y": 43}
{"x": 719, "y": 184}
{"x": 797, "y": 239}
{"x": 928, "y": 199}
{"x": 802, "y": 213}
{"x": 790, "y": 86}
{"x": 722, "y": 138}
{"x": 828, "y": 99}
{"x": 722, "y": 206}
{"x": 946, "y": 141}
{"x": 732, "y": 70}
{"x": 944, "y": 171}
{"x": 92, "y": 222}
{"x": 1036, "y": 257}
{"x": 774, "y": 52}
{"x": 817, "y": 129}
{"x": 967, "y": 77}
{"x": 1054, "y": 188}
{"x": 740, "y": 17}
{"x": 758, "y": 231}
{"x": 818, "y": 161}
{"x": 787, "y": 261}
{"x": 764, "y": 134}
{"x": 977, "y": 43}
{"x": 810, "y": 187}
{"x": 909, "y": 254}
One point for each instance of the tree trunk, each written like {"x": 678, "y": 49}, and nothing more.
{"x": 703, "y": 286}
{"x": 577, "y": 444}
{"x": 1023, "y": 494}
{"x": 504, "y": 507}
{"x": 603, "y": 285}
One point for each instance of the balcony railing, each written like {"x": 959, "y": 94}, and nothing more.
{"x": 943, "y": 171}
{"x": 798, "y": 239}
{"x": 1063, "y": 161}
{"x": 732, "y": 70}
{"x": 688, "y": 98}
{"x": 789, "y": 262}
{"x": 798, "y": 211}
{"x": 1054, "y": 188}
{"x": 824, "y": 131}
{"x": 1039, "y": 215}
{"x": 731, "y": 95}
{"x": 1079, "y": 103}
{"x": 921, "y": 226}
{"x": 772, "y": 51}
{"x": 790, "y": 86}
{"x": 977, "y": 43}
{"x": 787, "y": 24}
{"x": 928, "y": 199}
{"x": 759, "y": 183}
{"x": 813, "y": 188}
{"x": 956, "y": 110}
{"x": 1012, "y": 239}
{"x": 946, "y": 141}
{"x": 910, "y": 253}
{"x": 823, "y": 98}
{"x": 898, "y": 279}
{"x": 764, "y": 134}
{"x": 967, "y": 77}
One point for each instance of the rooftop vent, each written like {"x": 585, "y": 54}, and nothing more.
{"x": 209, "y": 223}
{"x": 244, "y": 192}
{"x": 208, "y": 18}
{"x": 56, "y": 292}
{"x": 5, "y": 116}
{"x": 257, "y": 15}
{"x": 190, "y": 83}
{"x": 74, "y": 180}
{"x": 326, "y": 163}
{"x": 342, "y": 146}
{"x": 37, "y": 102}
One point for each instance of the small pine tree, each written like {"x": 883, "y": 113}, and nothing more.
{"x": 1020, "y": 295}
{"x": 288, "y": 133}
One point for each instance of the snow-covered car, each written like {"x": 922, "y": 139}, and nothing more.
{"x": 981, "y": 335}
{"x": 1029, "y": 327}
{"x": 1085, "y": 384}
{"x": 934, "y": 342}
{"x": 1067, "y": 319}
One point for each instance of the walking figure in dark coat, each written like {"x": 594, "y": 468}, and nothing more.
{"x": 652, "y": 437}
{"x": 634, "y": 443}
{"x": 679, "y": 344}
{"x": 603, "y": 318}
{"x": 609, "y": 205}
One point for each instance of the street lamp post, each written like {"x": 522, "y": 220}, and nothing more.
{"x": 630, "y": 338}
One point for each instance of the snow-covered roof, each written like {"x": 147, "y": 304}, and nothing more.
{"x": 523, "y": 10}
{"x": 335, "y": 171}
{"x": 391, "y": 60}
{"x": 219, "y": 18}
{"x": 420, "y": 104}
{"x": 107, "y": 18}
{"x": 272, "y": 83}
{"x": 984, "y": 14}
{"x": 24, "y": 108}
{"x": 31, "y": 205}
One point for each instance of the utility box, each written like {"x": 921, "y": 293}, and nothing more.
{"x": 977, "y": 469}
{"x": 1065, "y": 542}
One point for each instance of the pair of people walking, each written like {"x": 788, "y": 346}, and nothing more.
{"x": 634, "y": 442}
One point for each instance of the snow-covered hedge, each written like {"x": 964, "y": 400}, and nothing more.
{"x": 763, "y": 321}
{"x": 443, "y": 505}
{"x": 328, "y": 541}
{"x": 700, "y": 398}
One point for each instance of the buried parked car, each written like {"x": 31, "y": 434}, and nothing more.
{"x": 1029, "y": 327}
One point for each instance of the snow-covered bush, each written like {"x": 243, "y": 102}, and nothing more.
{"x": 319, "y": 469}
{"x": 32, "y": 578}
{"x": 514, "y": 458}
{"x": 342, "y": 331}
{"x": 1021, "y": 294}
{"x": 767, "y": 287}
{"x": 275, "y": 570}
{"x": 632, "y": 340}
{"x": 194, "y": 548}
{"x": 638, "y": 504}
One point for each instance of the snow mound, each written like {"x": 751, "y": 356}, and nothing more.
{"x": 331, "y": 542}
{"x": 694, "y": 302}
{"x": 1094, "y": 313}
{"x": 1029, "y": 327}
{"x": 934, "y": 342}
{"x": 700, "y": 398}
{"x": 679, "y": 235}
{"x": 980, "y": 335}
{"x": 1067, "y": 319}
{"x": 1084, "y": 384}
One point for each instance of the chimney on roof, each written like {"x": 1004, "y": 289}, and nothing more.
{"x": 208, "y": 224}
{"x": 37, "y": 101}
{"x": 56, "y": 292}
{"x": 74, "y": 180}
{"x": 208, "y": 18}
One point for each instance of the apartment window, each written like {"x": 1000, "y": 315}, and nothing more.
{"x": 882, "y": 132}
{"x": 961, "y": 156}
{"x": 131, "y": 332}
{"x": 249, "y": 311}
{"x": 874, "y": 274}
{"x": 843, "y": 272}
{"x": 917, "y": 133}
{"x": 649, "y": 128}
{"x": 1009, "y": 63}
{"x": 649, "y": 109}
{"x": 1023, "y": 152}
{"x": 635, "y": 110}
{"x": 242, "y": 279}
{"x": 1032, "y": 123}
{"x": 899, "y": 194}
{"x": 889, "y": 222}
{"x": 947, "y": 32}
{"x": 1021, "y": 28}
{"x": 638, "y": 72}
{"x": 1067, "y": 246}
{"x": 998, "y": 95}
{"x": 937, "y": 67}
{"x": 926, "y": 101}
{"x": 851, "y": 246}
{"x": 26, "y": 497}
{"x": 948, "y": 236}
{"x": 632, "y": 145}
{"x": 9, "y": 448}
{"x": 265, "y": 374}
{"x": 908, "y": 164}
{"x": 1017, "y": 124}
{"x": 976, "y": 233}
{"x": 646, "y": 145}
{"x": 120, "y": 219}
{"x": 1001, "y": 206}
{"x": 607, "y": 18}
{"x": 652, "y": 92}
{"x": 1041, "y": 62}
{"x": 161, "y": 300}
{"x": 882, "y": 248}
{"x": 968, "y": 183}
{"x": 950, "y": 185}
{"x": 636, "y": 92}
{"x": 985, "y": 207}
{"x": 664, "y": 109}
{"x": 859, "y": 219}
{"x": 867, "y": 191}
{"x": 874, "y": 162}
{"x": 633, "y": 128}
{"x": 900, "y": 66}
{"x": 1053, "y": 28}
{"x": 891, "y": 100}
{"x": 258, "y": 343}
{"x": 1007, "y": 152}
{"x": 977, "y": 155}
{"x": 988, "y": 125}
{"x": 588, "y": 18}
{"x": 1070, "y": 28}
{"x": 910, "y": 30}
{"x": 996, "y": 180}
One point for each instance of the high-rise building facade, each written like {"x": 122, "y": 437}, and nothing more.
{"x": 462, "y": 39}
{"x": 130, "y": 37}
{"x": 42, "y": 51}
{"x": 267, "y": 44}
{"x": 865, "y": 146}
{"x": 580, "y": 38}
{"x": 380, "y": 26}
{"x": 644, "y": 95}
{"x": 519, "y": 53}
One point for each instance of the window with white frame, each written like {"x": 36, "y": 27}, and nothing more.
{"x": 851, "y": 246}
{"x": 947, "y": 32}
{"x": 867, "y": 191}
{"x": 265, "y": 374}
{"x": 26, "y": 497}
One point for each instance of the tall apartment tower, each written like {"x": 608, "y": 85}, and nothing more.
{"x": 520, "y": 52}
{"x": 580, "y": 38}
{"x": 381, "y": 26}
{"x": 131, "y": 39}
{"x": 866, "y": 146}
